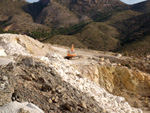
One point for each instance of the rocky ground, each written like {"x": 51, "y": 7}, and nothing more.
{"x": 32, "y": 72}
{"x": 35, "y": 82}
{"x": 120, "y": 75}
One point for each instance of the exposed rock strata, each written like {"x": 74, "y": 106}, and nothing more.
{"x": 55, "y": 84}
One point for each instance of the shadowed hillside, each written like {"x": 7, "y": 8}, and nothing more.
{"x": 13, "y": 17}
{"x": 135, "y": 31}
{"x": 139, "y": 47}
{"x": 103, "y": 36}
{"x": 142, "y": 6}
{"x": 121, "y": 16}
{"x": 64, "y": 13}
{"x": 95, "y": 35}
{"x": 65, "y": 40}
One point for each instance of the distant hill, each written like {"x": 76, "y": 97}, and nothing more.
{"x": 65, "y": 40}
{"x": 64, "y": 13}
{"x": 13, "y": 17}
{"x": 109, "y": 25}
{"x": 21, "y": 16}
{"x": 95, "y": 35}
{"x": 103, "y": 36}
{"x": 56, "y": 15}
{"x": 138, "y": 47}
{"x": 142, "y": 6}
{"x": 91, "y": 8}
{"x": 133, "y": 31}
{"x": 134, "y": 28}
{"x": 121, "y": 16}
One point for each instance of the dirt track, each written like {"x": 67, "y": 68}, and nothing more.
{"x": 87, "y": 56}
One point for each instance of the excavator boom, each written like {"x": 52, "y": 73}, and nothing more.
{"x": 72, "y": 48}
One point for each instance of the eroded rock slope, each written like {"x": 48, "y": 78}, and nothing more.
{"x": 40, "y": 75}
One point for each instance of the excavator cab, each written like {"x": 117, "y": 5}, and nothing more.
{"x": 71, "y": 54}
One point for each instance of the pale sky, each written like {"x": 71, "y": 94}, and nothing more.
{"x": 126, "y": 1}
{"x": 132, "y": 1}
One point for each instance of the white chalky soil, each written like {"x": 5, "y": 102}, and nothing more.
{"x": 109, "y": 102}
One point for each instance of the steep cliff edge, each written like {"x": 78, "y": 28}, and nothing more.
{"x": 115, "y": 78}
{"x": 132, "y": 84}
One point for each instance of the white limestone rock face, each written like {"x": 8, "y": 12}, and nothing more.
{"x": 2, "y": 52}
{"x": 16, "y": 45}
{"x": 11, "y": 45}
{"x": 109, "y": 102}
{"x": 14, "y": 107}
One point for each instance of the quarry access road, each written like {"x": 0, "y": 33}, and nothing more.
{"x": 88, "y": 56}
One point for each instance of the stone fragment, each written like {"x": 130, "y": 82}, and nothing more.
{"x": 14, "y": 107}
{"x": 33, "y": 76}
{"x": 48, "y": 70}
{"x": 67, "y": 107}
{"x": 5, "y": 78}
{"x": 53, "y": 90}
{"x": 94, "y": 109}
{"x": 2, "y": 86}
{"x": 28, "y": 61}
{"x": 148, "y": 56}
{"x": 83, "y": 105}
{"x": 50, "y": 101}
{"x": 23, "y": 111}
{"x": 53, "y": 72}
{"x": 2, "y": 52}
{"x": 102, "y": 63}
{"x": 104, "y": 94}
{"x": 13, "y": 98}
{"x": 149, "y": 105}
{"x": 119, "y": 64}
{"x": 55, "y": 99}
{"x": 103, "y": 111}
{"x": 80, "y": 75}
{"x": 118, "y": 56}
{"x": 26, "y": 77}
{"x": 119, "y": 99}
{"x": 107, "y": 60}
{"x": 46, "y": 87}
{"x": 114, "y": 64}
{"x": 101, "y": 59}
{"x": 42, "y": 80}
{"x": 93, "y": 98}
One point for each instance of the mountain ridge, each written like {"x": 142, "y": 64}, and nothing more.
{"x": 48, "y": 18}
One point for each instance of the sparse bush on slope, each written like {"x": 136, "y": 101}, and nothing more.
{"x": 121, "y": 16}
{"x": 98, "y": 36}
{"x": 140, "y": 47}
{"x": 65, "y": 40}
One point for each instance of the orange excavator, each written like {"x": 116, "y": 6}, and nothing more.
{"x": 71, "y": 54}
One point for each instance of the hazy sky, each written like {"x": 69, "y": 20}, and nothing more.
{"x": 132, "y": 1}
{"x": 126, "y": 1}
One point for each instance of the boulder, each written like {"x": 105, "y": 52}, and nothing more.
{"x": 15, "y": 107}
{"x": 2, "y": 52}
{"x": 6, "y": 90}
{"x": 28, "y": 61}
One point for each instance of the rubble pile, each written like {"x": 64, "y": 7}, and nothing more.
{"x": 106, "y": 100}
